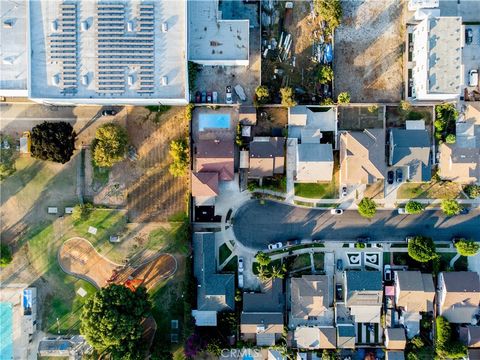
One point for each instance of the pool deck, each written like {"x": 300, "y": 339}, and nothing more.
{"x": 21, "y": 347}
{"x": 213, "y": 134}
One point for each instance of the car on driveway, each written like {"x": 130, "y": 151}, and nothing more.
{"x": 339, "y": 291}
{"x": 390, "y": 176}
{"x": 468, "y": 36}
{"x": 198, "y": 97}
{"x": 408, "y": 238}
{"x": 344, "y": 191}
{"x": 387, "y": 273}
{"x": 339, "y": 264}
{"x": 336, "y": 211}
{"x": 399, "y": 175}
{"x": 464, "y": 211}
{"x": 209, "y": 96}
{"x": 273, "y": 246}
{"x": 228, "y": 95}
{"x": 204, "y": 97}
{"x": 240, "y": 264}
{"x": 109, "y": 112}
{"x": 402, "y": 211}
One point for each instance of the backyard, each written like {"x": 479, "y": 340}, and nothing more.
{"x": 431, "y": 190}
{"x": 323, "y": 190}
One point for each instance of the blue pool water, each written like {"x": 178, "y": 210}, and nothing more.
{"x": 213, "y": 121}
{"x": 6, "y": 339}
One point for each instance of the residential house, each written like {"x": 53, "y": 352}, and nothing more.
{"x": 215, "y": 156}
{"x": 470, "y": 336}
{"x": 312, "y": 337}
{"x": 459, "y": 296}
{"x": 362, "y": 156}
{"x": 460, "y": 162}
{"x": 410, "y": 151}
{"x": 394, "y": 355}
{"x": 314, "y": 162}
{"x": 364, "y": 294}
{"x": 434, "y": 67}
{"x": 262, "y": 316}
{"x": 204, "y": 187}
{"x": 395, "y": 339}
{"x": 345, "y": 336}
{"x": 414, "y": 294}
{"x": 215, "y": 292}
{"x": 267, "y": 157}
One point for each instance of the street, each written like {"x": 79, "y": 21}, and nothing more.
{"x": 256, "y": 225}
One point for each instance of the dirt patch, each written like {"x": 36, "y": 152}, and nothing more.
{"x": 270, "y": 121}
{"x": 396, "y": 118}
{"x": 368, "y": 50}
{"x": 358, "y": 118}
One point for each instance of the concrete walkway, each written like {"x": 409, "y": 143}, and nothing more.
{"x": 291, "y": 169}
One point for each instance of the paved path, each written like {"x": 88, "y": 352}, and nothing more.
{"x": 291, "y": 168}
{"x": 257, "y": 225}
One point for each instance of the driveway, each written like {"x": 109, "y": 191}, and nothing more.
{"x": 256, "y": 225}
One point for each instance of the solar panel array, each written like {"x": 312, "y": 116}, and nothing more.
{"x": 63, "y": 46}
{"x": 119, "y": 50}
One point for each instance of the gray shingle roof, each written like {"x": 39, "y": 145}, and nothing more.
{"x": 412, "y": 148}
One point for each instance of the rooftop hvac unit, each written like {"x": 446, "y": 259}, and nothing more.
{"x": 85, "y": 80}
{"x": 84, "y": 25}
{"x": 55, "y": 79}
{"x": 130, "y": 26}
{"x": 54, "y": 25}
{"x": 164, "y": 80}
{"x": 130, "y": 80}
{"x": 164, "y": 27}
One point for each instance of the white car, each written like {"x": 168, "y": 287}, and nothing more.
{"x": 336, "y": 211}
{"x": 240, "y": 264}
{"x": 273, "y": 246}
{"x": 402, "y": 211}
{"x": 473, "y": 77}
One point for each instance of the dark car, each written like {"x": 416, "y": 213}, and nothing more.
{"x": 399, "y": 175}
{"x": 468, "y": 36}
{"x": 464, "y": 211}
{"x": 204, "y": 97}
{"x": 456, "y": 239}
{"x": 198, "y": 97}
{"x": 293, "y": 242}
{"x": 109, "y": 112}
{"x": 209, "y": 97}
{"x": 339, "y": 264}
{"x": 339, "y": 291}
{"x": 363, "y": 239}
{"x": 390, "y": 176}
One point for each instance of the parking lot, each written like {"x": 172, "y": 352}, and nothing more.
{"x": 471, "y": 54}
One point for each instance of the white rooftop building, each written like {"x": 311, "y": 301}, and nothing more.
{"x": 213, "y": 40}
{"x": 104, "y": 52}
{"x": 436, "y": 66}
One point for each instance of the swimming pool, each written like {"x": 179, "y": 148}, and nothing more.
{"x": 213, "y": 121}
{"x": 6, "y": 338}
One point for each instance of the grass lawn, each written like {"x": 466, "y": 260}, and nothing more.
{"x": 100, "y": 175}
{"x": 386, "y": 258}
{"x": 275, "y": 263}
{"x": 301, "y": 261}
{"x": 327, "y": 190}
{"x": 170, "y": 238}
{"x": 231, "y": 266}
{"x": 223, "y": 253}
{"x": 430, "y": 190}
{"x": 318, "y": 260}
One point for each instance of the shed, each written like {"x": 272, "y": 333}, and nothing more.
{"x": 244, "y": 159}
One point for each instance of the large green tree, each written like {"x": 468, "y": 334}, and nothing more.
{"x": 109, "y": 145}
{"x": 447, "y": 347}
{"x": 343, "y": 98}
{"x": 325, "y": 74}
{"x": 262, "y": 95}
{"x": 367, "y": 208}
{"x": 421, "y": 249}
{"x": 111, "y": 321}
{"x": 286, "y": 94}
{"x": 467, "y": 247}
{"x": 329, "y": 10}
{"x": 7, "y": 157}
{"x": 450, "y": 207}
{"x": 414, "y": 207}
{"x": 5, "y": 255}
{"x": 54, "y": 141}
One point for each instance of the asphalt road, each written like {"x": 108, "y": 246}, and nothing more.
{"x": 256, "y": 225}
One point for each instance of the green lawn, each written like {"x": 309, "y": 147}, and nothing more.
{"x": 325, "y": 190}
{"x": 170, "y": 238}
{"x": 223, "y": 253}
{"x": 430, "y": 190}
{"x": 318, "y": 260}
{"x": 275, "y": 263}
{"x": 301, "y": 261}
{"x": 231, "y": 266}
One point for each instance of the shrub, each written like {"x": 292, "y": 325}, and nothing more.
{"x": 81, "y": 211}
{"x": 188, "y": 111}
{"x": 373, "y": 109}
{"x": 404, "y": 106}
{"x": 5, "y": 255}
{"x": 262, "y": 95}
{"x": 327, "y": 101}
{"x": 192, "y": 74}
{"x": 421, "y": 249}
{"x": 450, "y": 139}
{"x": 286, "y": 94}
{"x": 54, "y": 141}
{"x": 450, "y": 207}
{"x": 325, "y": 74}
{"x": 180, "y": 156}
{"x": 445, "y": 346}
{"x": 343, "y": 98}
{"x": 414, "y": 207}
{"x": 367, "y": 208}
{"x": 7, "y": 157}
{"x": 446, "y": 117}
{"x": 238, "y": 136}
{"x": 329, "y": 10}
{"x": 109, "y": 145}
{"x": 467, "y": 247}
{"x": 472, "y": 191}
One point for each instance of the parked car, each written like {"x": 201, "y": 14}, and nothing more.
{"x": 468, "y": 36}
{"x": 402, "y": 211}
{"x": 464, "y": 211}
{"x": 390, "y": 176}
{"x": 240, "y": 280}
{"x": 109, "y": 112}
{"x": 344, "y": 191}
{"x": 240, "y": 264}
{"x": 215, "y": 97}
{"x": 336, "y": 211}
{"x": 387, "y": 273}
{"x": 228, "y": 95}
{"x": 456, "y": 239}
{"x": 204, "y": 97}
{"x": 339, "y": 264}
{"x": 339, "y": 291}
{"x": 273, "y": 246}
{"x": 209, "y": 96}
{"x": 408, "y": 238}
{"x": 399, "y": 175}
{"x": 198, "y": 97}
{"x": 363, "y": 239}
{"x": 473, "y": 77}
{"x": 293, "y": 242}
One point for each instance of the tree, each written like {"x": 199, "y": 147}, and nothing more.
{"x": 447, "y": 347}
{"x": 262, "y": 94}
{"x": 367, "y": 208}
{"x": 414, "y": 207}
{"x": 451, "y": 139}
{"x": 287, "y": 97}
{"x": 180, "y": 155}
{"x": 467, "y": 247}
{"x": 404, "y": 106}
{"x": 5, "y": 255}
{"x": 450, "y": 207}
{"x": 53, "y": 141}
{"x": 7, "y": 157}
{"x": 373, "y": 109}
{"x": 81, "y": 211}
{"x": 325, "y": 74}
{"x": 111, "y": 321}
{"x": 472, "y": 191}
{"x": 421, "y": 249}
{"x": 329, "y": 10}
{"x": 109, "y": 145}
{"x": 343, "y": 98}
{"x": 263, "y": 259}
{"x": 327, "y": 101}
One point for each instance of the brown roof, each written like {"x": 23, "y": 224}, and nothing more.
{"x": 215, "y": 156}
{"x": 416, "y": 291}
{"x": 395, "y": 338}
{"x": 459, "y": 164}
{"x": 462, "y": 296}
{"x": 362, "y": 156}
{"x": 309, "y": 296}
{"x": 247, "y": 115}
{"x": 267, "y": 156}
{"x": 205, "y": 184}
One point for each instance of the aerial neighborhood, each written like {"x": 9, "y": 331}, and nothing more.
{"x": 240, "y": 179}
